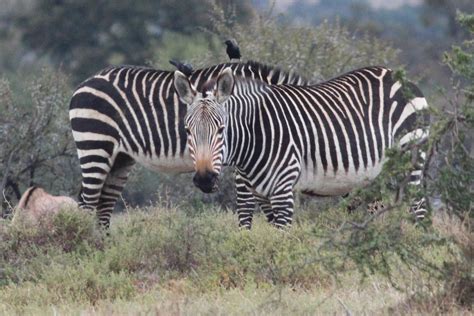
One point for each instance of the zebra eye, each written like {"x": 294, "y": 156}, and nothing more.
{"x": 188, "y": 131}
{"x": 220, "y": 130}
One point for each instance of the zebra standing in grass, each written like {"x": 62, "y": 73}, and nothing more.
{"x": 324, "y": 139}
{"x": 127, "y": 114}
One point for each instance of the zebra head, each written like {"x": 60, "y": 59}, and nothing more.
{"x": 205, "y": 124}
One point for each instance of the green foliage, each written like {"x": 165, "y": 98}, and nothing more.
{"x": 83, "y": 282}
{"x": 86, "y": 40}
{"x": 318, "y": 53}
{"x": 181, "y": 47}
{"x": 453, "y": 138}
{"x": 455, "y": 182}
{"x": 64, "y": 260}
{"x": 449, "y": 9}
{"x": 461, "y": 60}
{"x": 453, "y": 133}
{"x": 36, "y": 146}
{"x": 26, "y": 245}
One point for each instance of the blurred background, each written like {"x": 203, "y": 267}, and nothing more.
{"x": 47, "y": 47}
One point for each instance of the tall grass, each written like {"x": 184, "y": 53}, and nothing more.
{"x": 184, "y": 261}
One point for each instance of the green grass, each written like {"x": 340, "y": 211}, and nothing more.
{"x": 183, "y": 261}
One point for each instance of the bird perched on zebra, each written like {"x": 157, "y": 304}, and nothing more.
{"x": 324, "y": 139}
{"x": 185, "y": 68}
{"x": 126, "y": 114}
{"x": 232, "y": 50}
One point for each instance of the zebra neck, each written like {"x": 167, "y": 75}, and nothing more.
{"x": 243, "y": 129}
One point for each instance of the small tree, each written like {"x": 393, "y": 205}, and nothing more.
{"x": 35, "y": 142}
{"x": 318, "y": 53}
{"x": 453, "y": 135}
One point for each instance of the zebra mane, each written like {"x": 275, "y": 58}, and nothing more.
{"x": 252, "y": 70}
{"x": 275, "y": 75}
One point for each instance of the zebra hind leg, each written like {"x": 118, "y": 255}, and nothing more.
{"x": 95, "y": 170}
{"x": 415, "y": 181}
{"x": 266, "y": 208}
{"x": 245, "y": 201}
{"x": 418, "y": 206}
{"x": 113, "y": 187}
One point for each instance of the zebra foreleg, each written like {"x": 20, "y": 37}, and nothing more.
{"x": 282, "y": 199}
{"x": 283, "y": 204}
{"x": 245, "y": 201}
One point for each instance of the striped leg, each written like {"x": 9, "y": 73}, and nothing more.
{"x": 266, "y": 207}
{"x": 95, "y": 166}
{"x": 283, "y": 203}
{"x": 418, "y": 206}
{"x": 282, "y": 199}
{"x": 245, "y": 201}
{"x": 416, "y": 137}
{"x": 113, "y": 187}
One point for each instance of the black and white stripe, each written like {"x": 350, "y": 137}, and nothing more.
{"x": 324, "y": 139}
{"x": 127, "y": 114}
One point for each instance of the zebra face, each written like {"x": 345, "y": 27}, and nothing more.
{"x": 205, "y": 124}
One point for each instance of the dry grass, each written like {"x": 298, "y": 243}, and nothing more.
{"x": 173, "y": 261}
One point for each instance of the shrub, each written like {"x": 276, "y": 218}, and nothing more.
{"x": 318, "y": 53}
{"x": 35, "y": 141}
{"x": 25, "y": 244}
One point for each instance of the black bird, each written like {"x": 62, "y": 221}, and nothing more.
{"x": 186, "y": 69}
{"x": 232, "y": 50}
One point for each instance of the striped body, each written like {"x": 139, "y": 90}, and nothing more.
{"x": 325, "y": 139}
{"x": 124, "y": 115}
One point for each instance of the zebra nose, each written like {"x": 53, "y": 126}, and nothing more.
{"x": 205, "y": 181}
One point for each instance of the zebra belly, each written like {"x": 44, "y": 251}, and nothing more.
{"x": 166, "y": 164}
{"x": 338, "y": 183}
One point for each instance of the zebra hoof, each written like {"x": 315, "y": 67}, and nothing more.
{"x": 246, "y": 226}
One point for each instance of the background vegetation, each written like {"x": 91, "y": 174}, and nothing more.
{"x": 179, "y": 255}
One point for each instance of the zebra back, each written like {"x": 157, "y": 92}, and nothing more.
{"x": 345, "y": 123}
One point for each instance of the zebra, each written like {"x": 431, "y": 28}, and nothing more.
{"x": 323, "y": 139}
{"x": 129, "y": 114}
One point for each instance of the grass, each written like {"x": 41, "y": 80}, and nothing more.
{"x": 183, "y": 261}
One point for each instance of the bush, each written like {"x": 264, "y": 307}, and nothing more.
{"x": 66, "y": 261}
{"x": 26, "y": 245}
{"x": 318, "y": 53}
{"x": 36, "y": 146}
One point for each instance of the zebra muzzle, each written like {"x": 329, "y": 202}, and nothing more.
{"x": 206, "y": 181}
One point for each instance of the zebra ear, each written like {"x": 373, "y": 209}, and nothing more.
{"x": 225, "y": 85}
{"x": 183, "y": 87}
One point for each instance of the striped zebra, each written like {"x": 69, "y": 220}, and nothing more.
{"x": 324, "y": 139}
{"x": 127, "y": 114}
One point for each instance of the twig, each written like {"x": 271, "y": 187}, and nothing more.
{"x": 6, "y": 171}
{"x": 348, "y": 311}
{"x": 8, "y": 203}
